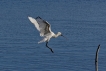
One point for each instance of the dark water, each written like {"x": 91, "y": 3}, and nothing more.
{"x": 83, "y": 22}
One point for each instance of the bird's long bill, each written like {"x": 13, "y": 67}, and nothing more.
{"x": 64, "y": 36}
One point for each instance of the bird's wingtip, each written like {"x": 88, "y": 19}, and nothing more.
{"x": 28, "y": 16}
{"x": 36, "y": 17}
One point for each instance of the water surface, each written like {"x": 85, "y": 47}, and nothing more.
{"x": 83, "y": 22}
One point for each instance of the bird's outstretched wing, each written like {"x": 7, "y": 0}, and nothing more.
{"x": 41, "y": 25}
{"x": 34, "y": 22}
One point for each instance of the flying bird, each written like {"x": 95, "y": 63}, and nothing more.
{"x": 45, "y": 30}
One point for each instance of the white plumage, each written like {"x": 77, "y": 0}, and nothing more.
{"x": 45, "y": 29}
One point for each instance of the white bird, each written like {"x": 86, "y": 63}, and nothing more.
{"x": 45, "y": 30}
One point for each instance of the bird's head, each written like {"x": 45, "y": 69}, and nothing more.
{"x": 60, "y": 34}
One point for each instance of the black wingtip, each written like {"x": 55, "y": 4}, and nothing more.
{"x": 38, "y": 17}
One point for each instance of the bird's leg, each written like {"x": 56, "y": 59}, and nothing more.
{"x": 49, "y": 47}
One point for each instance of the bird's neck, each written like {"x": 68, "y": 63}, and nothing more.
{"x": 56, "y": 35}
